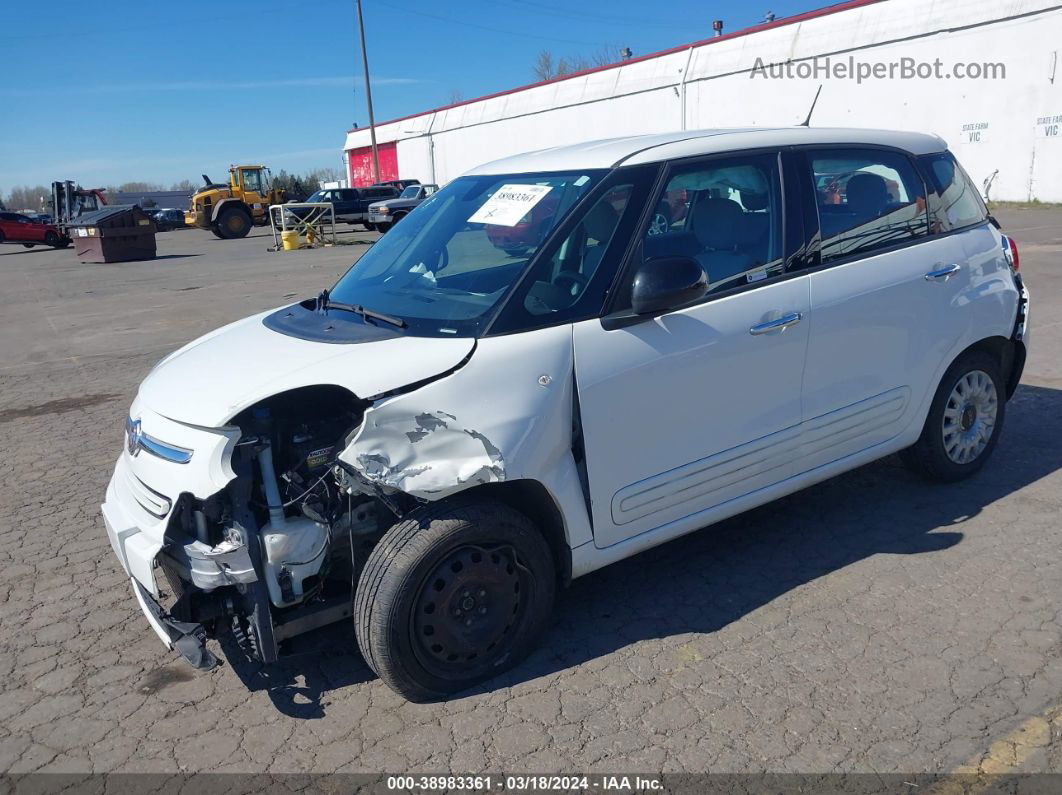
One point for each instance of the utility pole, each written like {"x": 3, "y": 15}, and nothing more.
{"x": 368, "y": 97}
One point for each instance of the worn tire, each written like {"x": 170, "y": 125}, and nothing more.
{"x": 28, "y": 245}
{"x": 928, "y": 456}
{"x": 216, "y": 233}
{"x": 233, "y": 223}
{"x": 52, "y": 239}
{"x": 403, "y": 572}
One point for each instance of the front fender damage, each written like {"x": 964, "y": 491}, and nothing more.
{"x": 505, "y": 415}
{"x": 428, "y": 455}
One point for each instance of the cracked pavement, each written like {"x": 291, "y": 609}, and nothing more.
{"x": 871, "y": 623}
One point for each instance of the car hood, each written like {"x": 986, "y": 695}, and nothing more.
{"x": 394, "y": 203}
{"x": 213, "y": 378}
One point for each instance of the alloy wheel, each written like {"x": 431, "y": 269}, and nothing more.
{"x": 969, "y": 416}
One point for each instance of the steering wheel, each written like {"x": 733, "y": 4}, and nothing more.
{"x": 576, "y": 278}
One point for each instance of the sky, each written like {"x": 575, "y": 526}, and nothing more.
{"x": 113, "y": 92}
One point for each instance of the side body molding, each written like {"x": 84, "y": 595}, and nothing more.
{"x": 505, "y": 415}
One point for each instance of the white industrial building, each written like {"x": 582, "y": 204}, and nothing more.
{"x": 1005, "y": 126}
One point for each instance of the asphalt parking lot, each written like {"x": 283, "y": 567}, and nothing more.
{"x": 871, "y": 623}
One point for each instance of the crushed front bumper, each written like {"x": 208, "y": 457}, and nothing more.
{"x": 187, "y": 638}
{"x": 137, "y": 548}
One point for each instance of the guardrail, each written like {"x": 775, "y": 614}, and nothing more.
{"x": 311, "y": 220}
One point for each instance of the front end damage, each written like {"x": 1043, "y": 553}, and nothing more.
{"x": 316, "y": 476}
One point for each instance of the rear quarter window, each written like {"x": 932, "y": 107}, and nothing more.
{"x": 954, "y": 201}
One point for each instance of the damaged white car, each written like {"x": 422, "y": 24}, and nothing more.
{"x": 555, "y": 362}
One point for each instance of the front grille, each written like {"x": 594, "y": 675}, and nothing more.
{"x": 173, "y": 576}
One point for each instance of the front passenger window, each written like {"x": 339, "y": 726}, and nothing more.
{"x": 727, "y": 215}
{"x": 561, "y": 279}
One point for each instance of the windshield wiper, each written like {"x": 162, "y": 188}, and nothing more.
{"x": 324, "y": 303}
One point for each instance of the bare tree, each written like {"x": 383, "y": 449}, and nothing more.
{"x": 184, "y": 184}
{"x": 28, "y": 197}
{"x": 455, "y": 97}
{"x": 139, "y": 187}
{"x": 544, "y": 67}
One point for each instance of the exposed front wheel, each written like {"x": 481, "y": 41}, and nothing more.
{"x": 964, "y": 420}
{"x": 451, "y": 596}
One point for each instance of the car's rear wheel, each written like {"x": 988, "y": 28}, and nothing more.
{"x": 53, "y": 239}
{"x": 964, "y": 420}
{"x": 28, "y": 245}
{"x": 451, "y": 596}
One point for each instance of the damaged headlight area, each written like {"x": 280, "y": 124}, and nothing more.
{"x": 278, "y": 551}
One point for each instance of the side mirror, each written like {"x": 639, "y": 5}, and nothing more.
{"x": 664, "y": 283}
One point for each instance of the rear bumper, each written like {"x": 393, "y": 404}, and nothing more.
{"x": 1020, "y": 337}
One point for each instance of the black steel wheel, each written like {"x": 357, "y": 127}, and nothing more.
{"x": 52, "y": 239}
{"x": 451, "y": 596}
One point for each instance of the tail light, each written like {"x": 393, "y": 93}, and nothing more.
{"x": 1010, "y": 250}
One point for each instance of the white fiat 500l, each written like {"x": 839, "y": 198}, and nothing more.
{"x": 556, "y": 361}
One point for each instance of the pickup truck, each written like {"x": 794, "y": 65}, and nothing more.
{"x": 383, "y": 215}
{"x": 352, "y": 204}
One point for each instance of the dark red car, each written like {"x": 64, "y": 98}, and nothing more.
{"x": 18, "y": 228}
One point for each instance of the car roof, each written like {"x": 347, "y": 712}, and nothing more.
{"x": 635, "y": 149}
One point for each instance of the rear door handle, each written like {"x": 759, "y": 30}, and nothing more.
{"x": 785, "y": 321}
{"x": 943, "y": 273}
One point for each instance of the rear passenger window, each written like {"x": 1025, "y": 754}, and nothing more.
{"x": 727, "y": 215}
{"x": 954, "y": 201}
{"x": 867, "y": 200}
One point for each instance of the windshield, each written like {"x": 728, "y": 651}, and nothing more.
{"x": 317, "y": 197}
{"x": 410, "y": 192}
{"x": 447, "y": 265}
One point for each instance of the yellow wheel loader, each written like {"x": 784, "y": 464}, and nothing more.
{"x": 230, "y": 210}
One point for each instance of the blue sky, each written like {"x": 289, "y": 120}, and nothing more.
{"x": 168, "y": 91}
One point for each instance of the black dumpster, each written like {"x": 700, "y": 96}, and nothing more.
{"x": 118, "y": 233}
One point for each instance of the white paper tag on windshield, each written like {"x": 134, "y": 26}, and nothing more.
{"x": 509, "y": 204}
